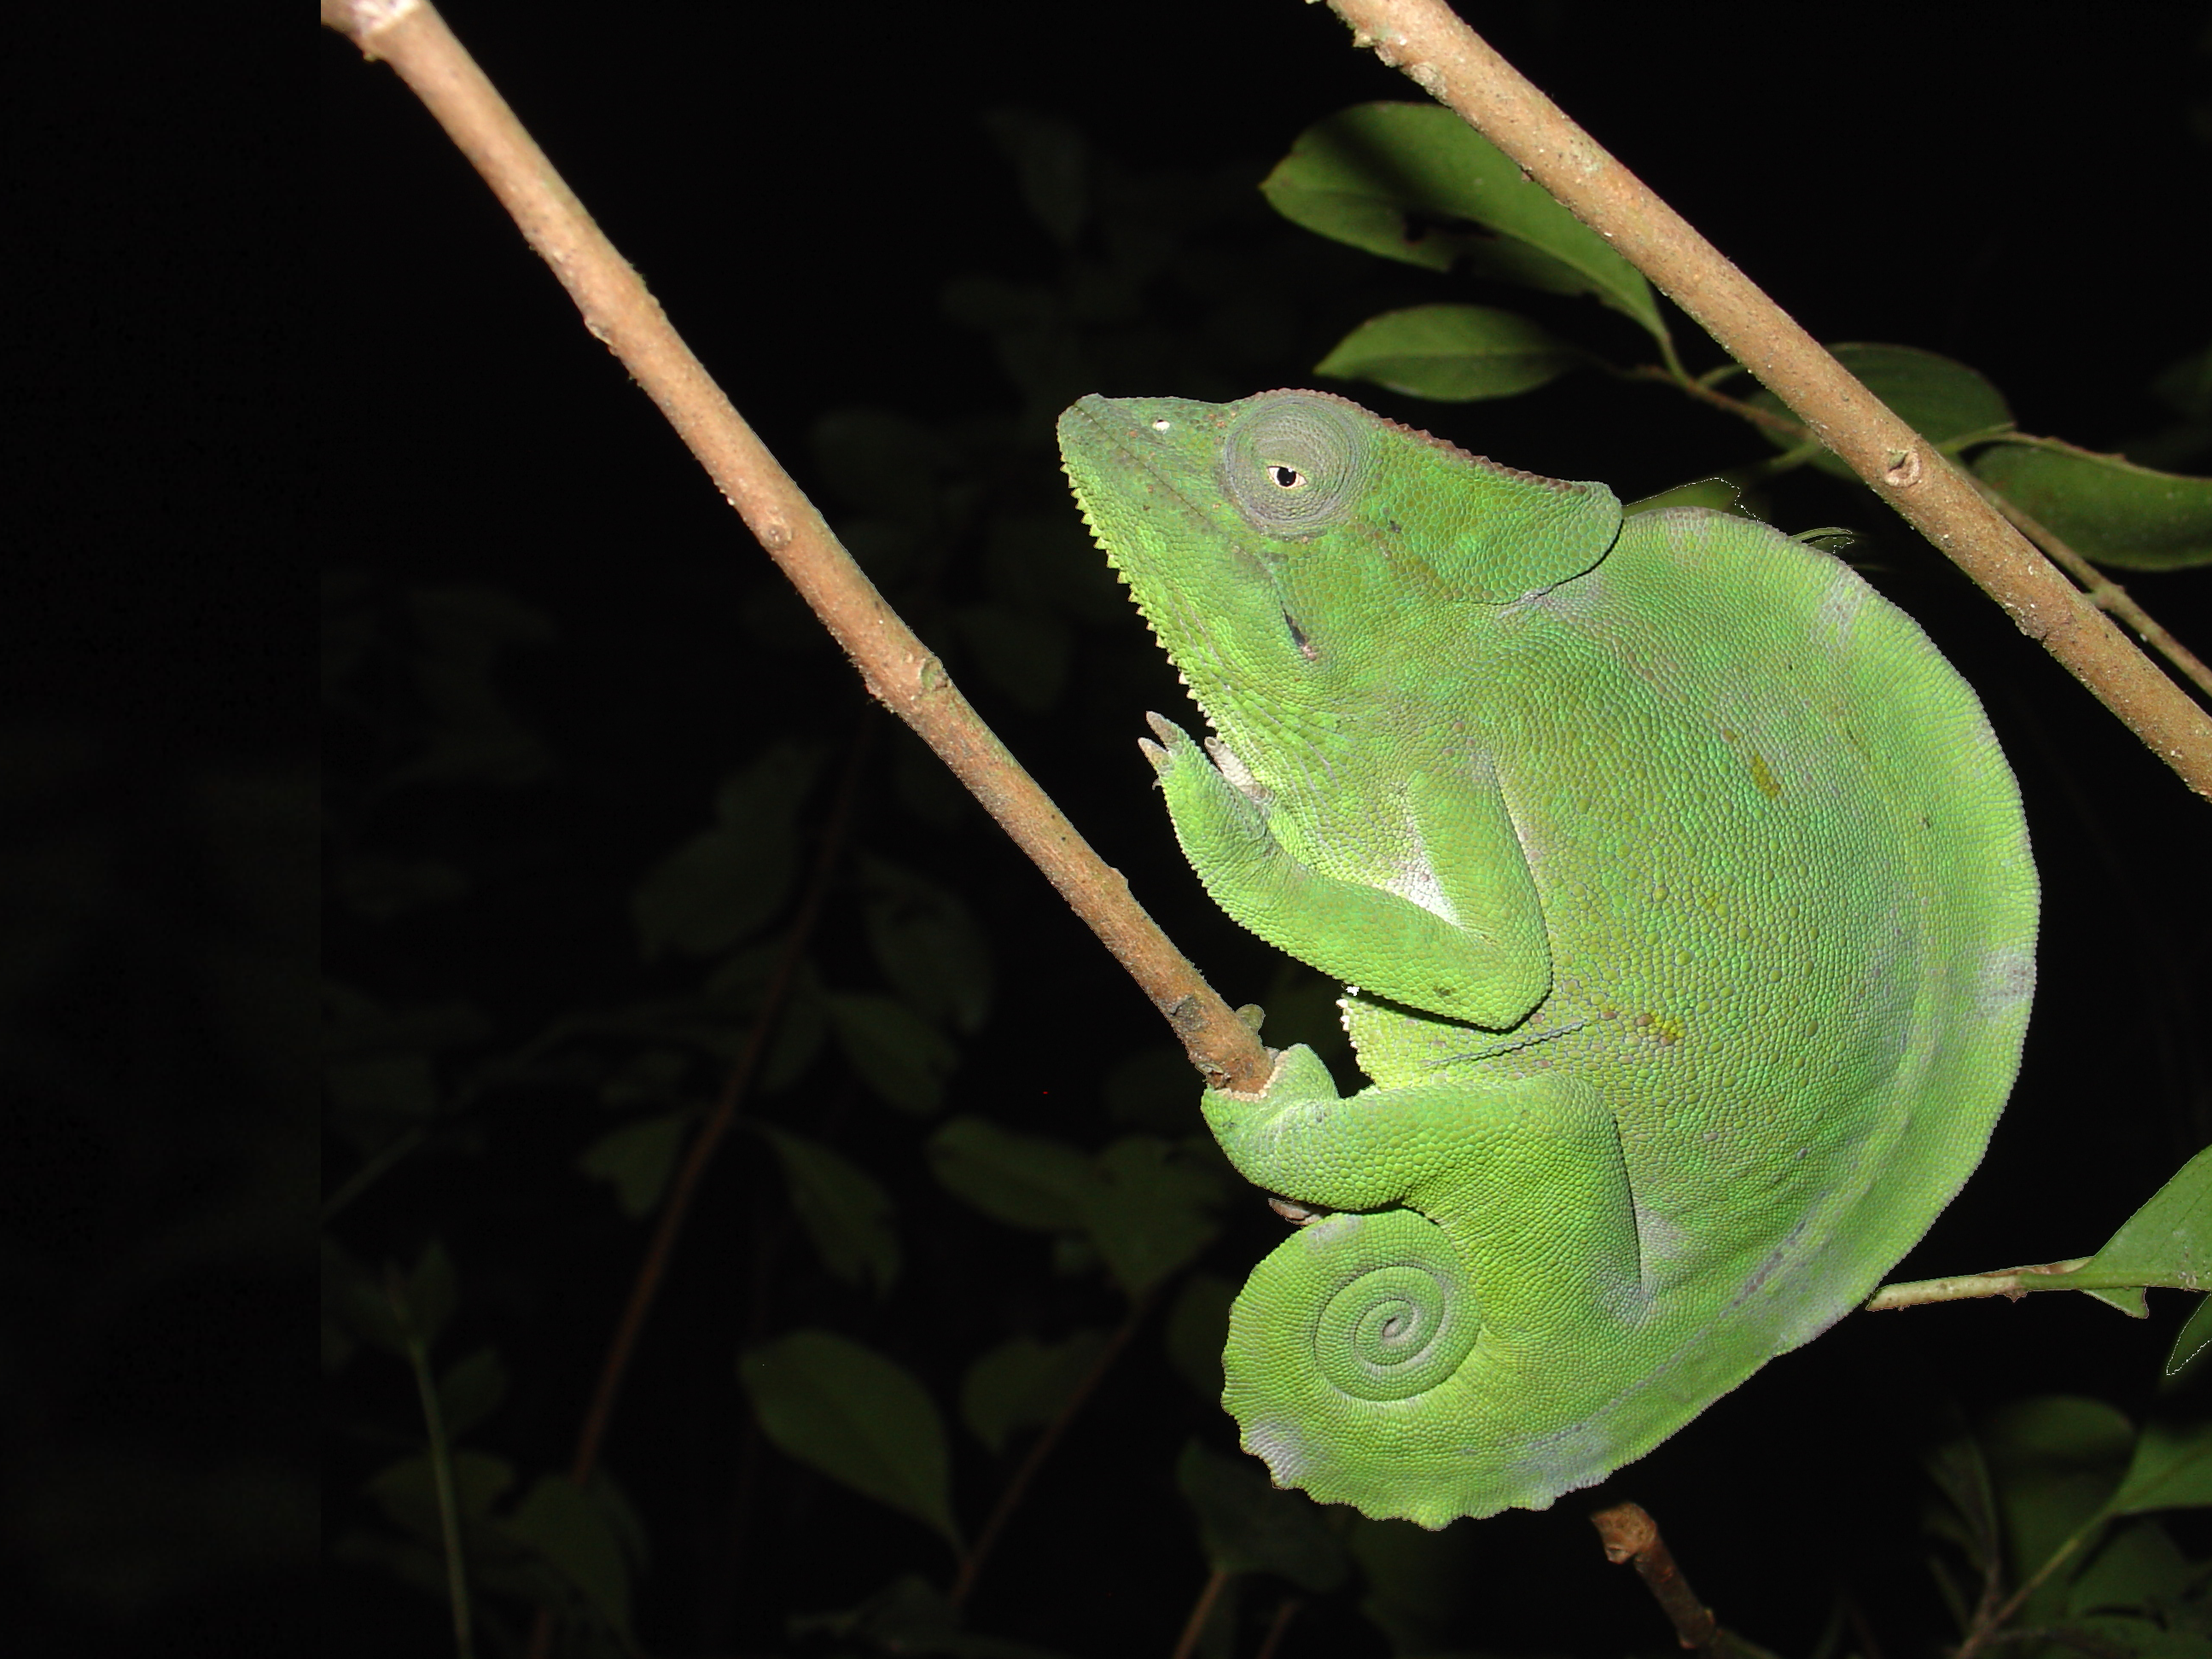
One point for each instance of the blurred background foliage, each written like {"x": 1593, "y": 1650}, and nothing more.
{"x": 615, "y": 852}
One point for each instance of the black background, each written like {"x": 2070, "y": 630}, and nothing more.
{"x": 216, "y": 404}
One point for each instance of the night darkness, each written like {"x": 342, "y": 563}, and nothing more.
{"x": 548, "y": 646}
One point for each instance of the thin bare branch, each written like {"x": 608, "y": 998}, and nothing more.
{"x": 1455, "y": 66}
{"x": 1194, "y": 1626}
{"x": 971, "y": 1565}
{"x": 898, "y": 669}
{"x": 2104, "y": 592}
{"x": 1631, "y": 1534}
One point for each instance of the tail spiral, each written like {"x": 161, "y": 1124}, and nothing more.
{"x": 1335, "y": 1338}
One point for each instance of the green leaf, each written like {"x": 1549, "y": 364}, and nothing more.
{"x": 637, "y": 1159}
{"x": 2054, "y": 1461}
{"x": 1413, "y": 182}
{"x": 1154, "y": 1211}
{"x": 858, "y": 1418}
{"x": 1962, "y": 1475}
{"x": 2104, "y": 508}
{"x": 430, "y": 1295}
{"x": 471, "y": 1391}
{"x": 570, "y": 1533}
{"x": 1197, "y": 1330}
{"x": 1937, "y": 397}
{"x": 2196, "y": 1333}
{"x": 1420, "y": 1582}
{"x": 844, "y": 1209}
{"x": 724, "y": 883}
{"x": 2168, "y": 1242}
{"x": 2114, "y": 1636}
{"x": 2138, "y": 1564}
{"x": 2172, "y": 1469}
{"x": 1024, "y": 1383}
{"x": 897, "y": 1053}
{"x": 1248, "y": 1524}
{"x": 2184, "y": 385}
{"x": 1717, "y": 495}
{"x": 929, "y": 944}
{"x": 714, "y": 890}
{"x": 407, "y": 1491}
{"x": 354, "y": 1301}
{"x": 461, "y": 634}
{"x": 1025, "y": 1181}
{"x": 1052, "y": 160}
{"x": 1454, "y": 354}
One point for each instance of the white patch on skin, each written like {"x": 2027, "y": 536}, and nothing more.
{"x": 1840, "y": 607}
{"x": 1414, "y": 880}
{"x": 1239, "y": 774}
{"x": 1321, "y": 1234}
{"x": 1659, "y": 1243}
{"x": 2008, "y": 976}
{"x": 1277, "y": 1445}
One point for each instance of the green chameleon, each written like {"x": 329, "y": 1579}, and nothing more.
{"x": 1684, "y": 903}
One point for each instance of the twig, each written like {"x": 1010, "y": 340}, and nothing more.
{"x": 1631, "y": 1535}
{"x": 2104, "y": 592}
{"x": 2012, "y": 1283}
{"x": 1286, "y": 1610}
{"x": 1987, "y": 1631}
{"x": 972, "y": 1563}
{"x": 1194, "y": 1626}
{"x": 441, "y": 1466}
{"x": 898, "y": 669}
{"x": 645, "y": 1288}
{"x": 1455, "y": 66}
{"x": 678, "y": 1205}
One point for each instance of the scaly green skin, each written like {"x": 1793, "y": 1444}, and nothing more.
{"x": 1685, "y": 896}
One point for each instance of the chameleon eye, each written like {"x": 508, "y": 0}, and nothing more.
{"x": 1294, "y": 461}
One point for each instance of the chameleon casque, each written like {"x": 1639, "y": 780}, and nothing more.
{"x": 1684, "y": 901}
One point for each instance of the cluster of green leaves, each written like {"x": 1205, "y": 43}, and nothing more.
{"x": 1412, "y": 183}
{"x": 2048, "y": 1505}
{"x": 868, "y": 1017}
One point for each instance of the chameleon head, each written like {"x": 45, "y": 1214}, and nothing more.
{"x": 1280, "y": 545}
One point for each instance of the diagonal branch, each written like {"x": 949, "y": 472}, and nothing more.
{"x": 899, "y": 671}
{"x": 1452, "y": 64}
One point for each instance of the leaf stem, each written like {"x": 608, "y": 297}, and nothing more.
{"x": 684, "y": 1187}
{"x": 442, "y": 1469}
{"x": 1016, "y": 1488}
{"x": 1194, "y": 1626}
{"x": 1987, "y": 1630}
{"x": 2012, "y": 1283}
{"x": 2104, "y": 592}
